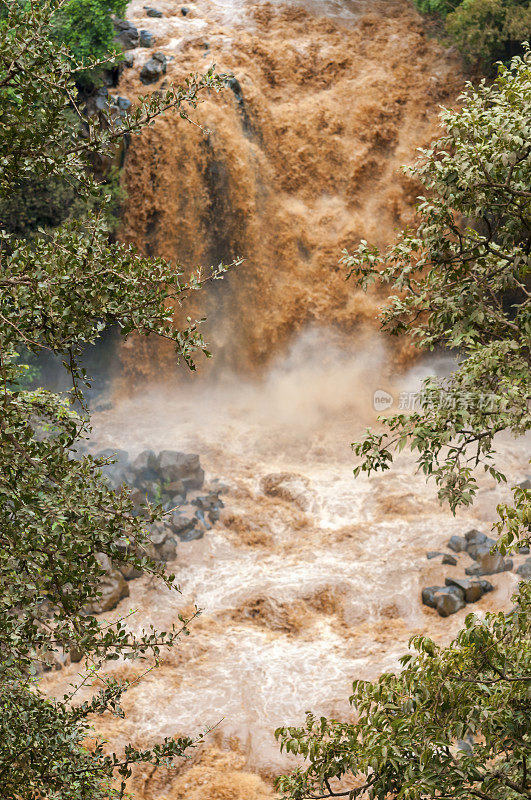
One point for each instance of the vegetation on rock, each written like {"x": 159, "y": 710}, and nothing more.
{"x": 59, "y": 520}
{"x": 485, "y": 31}
{"x": 85, "y": 27}
{"x": 461, "y": 281}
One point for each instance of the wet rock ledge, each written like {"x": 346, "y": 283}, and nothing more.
{"x": 172, "y": 479}
{"x": 457, "y": 592}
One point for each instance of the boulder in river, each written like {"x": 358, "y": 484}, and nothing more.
{"x": 477, "y": 544}
{"x": 179, "y": 523}
{"x": 445, "y": 599}
{"x": 449, "y": 602}
{"x": 129, "y": 571}
{"x": 113, "y": 587}
{"x": 145, "y": 465}
{"x": 146, "y": 39}
{"x": 126, "y": 34}
{"x": 524, "y": 570}
{"x": 448, "y": 559}
{"x": 489, "y": 564}
{"x": 457, "y": 544}
{"x": 191, "y": 535}
{"x": 153, "y": 12}
{"x": 173, "y": 466}
{"x": 472, "y": 590}
{"x": 153, "y": 69}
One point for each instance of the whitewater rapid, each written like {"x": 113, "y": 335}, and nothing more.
{"x": 311, "y": 578}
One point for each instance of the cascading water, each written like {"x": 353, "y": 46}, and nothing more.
{"x": 302, "y": 160}
{"x": 310, "y": 579}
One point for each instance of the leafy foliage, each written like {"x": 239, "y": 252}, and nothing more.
{"x": 484, "y": 30}
{"x": 490, "y": 30}
{"x": 441, "y": 7}
{"x": 462, "y": 282}
{"x": 59, "y": 521}
{"x": 455, "y": 722}
{"x": 85, "y": 28}
{"x": 404, "y": 743}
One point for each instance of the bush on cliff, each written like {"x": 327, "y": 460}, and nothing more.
{"x": 485, "y": 31}
{"x": 456, "y": 721}
{"x": 85, "y": 27}
{"x": 59, "y": 521}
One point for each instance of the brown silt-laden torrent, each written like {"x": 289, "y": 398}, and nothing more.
{"x": 302, "y": 160}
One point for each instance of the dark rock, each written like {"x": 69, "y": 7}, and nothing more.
{"x": 126, "y": 34}
{"x": 524, "y": 570}
{"x": 472, "y": 590}
{"x": 221, "y": 488}
{"x": 101, "y": 99}
{"x": 112, "y": 586}
{"x": 174, "y": 487}
{"x": 448, "y": 559}
{"x": 235, "y": 87}
{"x": 525, "y": 484}
{"x": 475, "y": 551}
{"x": 433, "y": 554}
{"x": 152, "y": 490}
{"x": 489, "y": 564}
{"x": 474, "y": 535}
{"x": 185, "y": 11}
{"x": 75, "y": 655}
{"x": 117, "y": 471}
{"x": 129, "y": 571}
{"x": 146, "y": 39}
{"x": 209, "y": 501}
{"x": 176, "y": 501}
{"x": 445, "y": 599}
{"x": 163, "y": 542}
{"x": 449, "y": 602}
{"x": 189, "y": 536}
{"x": 478, "y": 544}
{"x": 145, "y": 465}
{"x": 168, "y": 550}
{"x": 210, "y": 504}
{"x": 153, "y": 12}
{"x": 523, "y": 550}
{"x": 158, "y": 534}
{"x": 200, "y": 514}
{"x": 466, "y": 746}
{"x": 123, "y": 103}
{"x": 457, "y": 544}
{"x": 137, "y": 497}
{"x": 55, "y": 660}
{"x": 429, "y": 595}
{"x": 180, "y": 524}
{"x": 184, "y": 467}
